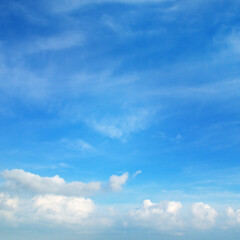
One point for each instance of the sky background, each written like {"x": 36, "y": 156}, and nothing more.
{"x": 119, "y": 119}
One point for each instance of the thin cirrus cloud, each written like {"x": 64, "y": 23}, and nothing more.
{"x": 77, "y": 144}
{"x": 20, "y": 181}
{"x": 68, "y": 6}
{"x": 121, "y": 127}
{"x": 63, "y": 41}
{"x": 137, "y": 173}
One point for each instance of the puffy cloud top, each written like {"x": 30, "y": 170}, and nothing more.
{"x": 62, "y": 208}
{"x": 116, "y": 182}
{"x": 163, "y": 215}
{"x": 204, "y": 214}
{"x": 18, "y": 179}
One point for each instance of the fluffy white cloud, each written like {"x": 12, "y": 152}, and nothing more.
{"x": 234, "y": 215}
{"x": 63, "y": 209}
{"x": 116, "y": 182}
{"x": 8, "y": 206}
{"x": 57, "y": 210}
{"x": 204, "y": 215}
{"x": 18, "y": 179}
{"x": 7, "y": 202}
{"x": 163, "y": 215}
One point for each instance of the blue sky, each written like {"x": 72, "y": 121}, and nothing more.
{"x": 119, "y": 119}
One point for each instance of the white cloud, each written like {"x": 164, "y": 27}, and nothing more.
{"x": 122, "y": 127}
{"x": 52, "y": 210}
{"x": 163, "y": 215}
{"x": 68, "y": 6}
{"x": 234, "y": 215}
{"x": 137, "y": 173}
{"x": 233, "y": 41}
{"x": 63, "y": 209}
{"x": 116, "y": 182}
{"x": 63, "y": 41}
{"x": 19, "y": 180}
{"x": 77, "y": 144}
{"x": 8, "y": 206}
{"x": 204, "y": 215}
{"x": 7, "y": 202}
{"x": 74, "y": 212}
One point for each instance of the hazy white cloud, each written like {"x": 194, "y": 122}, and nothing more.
{"x": 66, "y": 40}
{"x": 214, "y": 90}
{"x": 23, "y": 84}
{"x": 19, "y": 180}
{"x": 137, "y": 173}
{"x": 122, "y": 127}
{"x": 68, "y": 6}
{"x": 204, "y": 215}
{"x": 233, "y": 41}
{"x": 7, "y": 202}
{"x": 77, "y": 144}
{"x": 233, "y": 214}
{"x": 8, "y": 206}
{"x": 116, "y": 182}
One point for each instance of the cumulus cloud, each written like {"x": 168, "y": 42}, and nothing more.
{"x": 163, "y": 215}
{"x": 8, "y": 206}
{"x": 58, "y": 210}
{"x": 63, "y": 209}
{"x": 7, "y": 202}
{"x": 116, "y": 182}
{"x": 204, "y": 215}
{"x": 19, "y": 180}
{"x": 233, "y": 214}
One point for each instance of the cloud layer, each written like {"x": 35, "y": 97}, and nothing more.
{"x": 18, "y": 180}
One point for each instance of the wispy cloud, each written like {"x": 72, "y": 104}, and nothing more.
{"x": 137, "y": 173}
{"x": 63, "y": 41}
{"x": 68, "y": 6}
{"x": 217, "y": 90}
{"x": 77, "y": 144}
{"x": 122, "y": 127}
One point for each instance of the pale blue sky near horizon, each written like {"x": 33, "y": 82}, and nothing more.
{"x": 125, "y": 112}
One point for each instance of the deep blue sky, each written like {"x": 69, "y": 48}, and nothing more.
{"x": 140, "y": 99}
